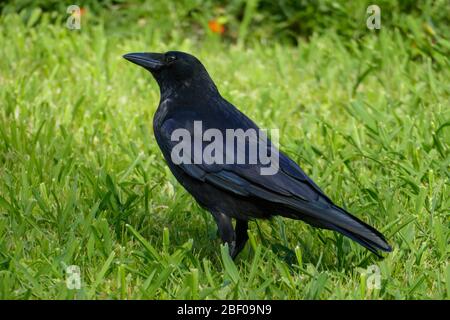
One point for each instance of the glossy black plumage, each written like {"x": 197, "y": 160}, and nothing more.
{"x": 236, "y": 190}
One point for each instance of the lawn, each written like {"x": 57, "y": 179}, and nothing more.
{"x": 82, "y": 181}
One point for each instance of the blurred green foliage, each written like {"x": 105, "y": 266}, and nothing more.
{"x": 425, "y": 24}
{"x": 284, "y": 20}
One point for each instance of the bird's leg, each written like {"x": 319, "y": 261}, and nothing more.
{"x": 241, "y": 236}
{"x": 225, "y": 228}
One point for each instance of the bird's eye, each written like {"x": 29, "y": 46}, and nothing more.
{"x": 170, "y": 59}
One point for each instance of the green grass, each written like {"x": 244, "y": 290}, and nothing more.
{"x": 82, "y": 181}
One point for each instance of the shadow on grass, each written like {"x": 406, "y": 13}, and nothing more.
{"x": 329, "y": 251}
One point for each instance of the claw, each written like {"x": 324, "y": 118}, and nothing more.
{"x": 232, "y": 249}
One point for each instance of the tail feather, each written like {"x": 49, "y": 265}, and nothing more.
{"x": 368, "y": 244}
{"x": 337, "y": 219}
{"x": 361, "y": 232}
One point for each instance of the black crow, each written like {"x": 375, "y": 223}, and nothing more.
{"x": 225, "y": 188}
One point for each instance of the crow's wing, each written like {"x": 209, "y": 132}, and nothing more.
{"x": 243, "y": 179}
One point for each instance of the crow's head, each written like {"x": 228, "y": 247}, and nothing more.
{"x": 174, "y": 70}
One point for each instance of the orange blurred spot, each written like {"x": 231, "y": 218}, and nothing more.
{"x": 216, "y": 26}
{"x": 79, "y": 13}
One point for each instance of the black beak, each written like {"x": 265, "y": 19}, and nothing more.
{"x": 148, "y": 60}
